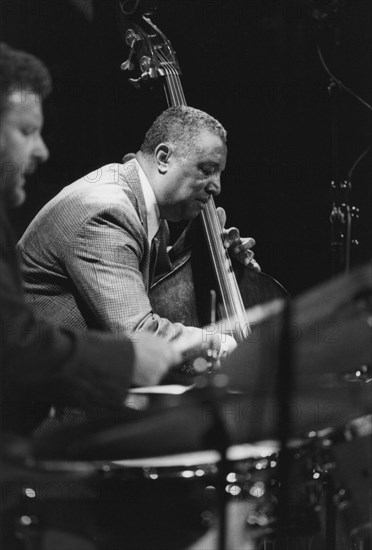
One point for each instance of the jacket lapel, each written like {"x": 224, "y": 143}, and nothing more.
{"x": 130, "y": 174}
{"x": 159, "y": 259}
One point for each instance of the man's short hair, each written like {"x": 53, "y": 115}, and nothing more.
{"x": 21, "y": 71}
{"x": 180, "y": 126}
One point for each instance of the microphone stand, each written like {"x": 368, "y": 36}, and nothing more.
{"x": 342, "y": 213}
{"x": 336, "y": 216}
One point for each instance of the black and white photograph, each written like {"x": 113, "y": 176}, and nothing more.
{"x": 186, "y": 274}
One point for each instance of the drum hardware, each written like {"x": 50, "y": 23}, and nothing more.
{"x": 217, "y": 436}
{"x": 343, "y": 218}
{"x": 344, "y": 215}
{"x": 363, "y": 374}
{"x": 251, "y": 481}
{"x": 361, "y": 537}
{"x": 345, "y": 458}
{"x": 27, "y": 531}
{"x": 341, "y": 499}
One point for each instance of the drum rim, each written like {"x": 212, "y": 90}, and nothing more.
{"x": 234, "y": 453}
{"x": 358, "y": 427}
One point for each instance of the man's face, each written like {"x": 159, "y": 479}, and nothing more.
{"x": 191, "y": 180}
{"x": 21, "y": 144}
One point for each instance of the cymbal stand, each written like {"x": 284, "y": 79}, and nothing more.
{"x": 217, "y": 437}
{"x": 284, "y": 388}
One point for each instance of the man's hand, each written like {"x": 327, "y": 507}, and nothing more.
{"x": 239, "y": 248}
{"x": 153, "y": 357}
{"x": 198, "y": 342}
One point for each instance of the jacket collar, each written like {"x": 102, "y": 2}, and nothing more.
{"x": 130, "y": 174}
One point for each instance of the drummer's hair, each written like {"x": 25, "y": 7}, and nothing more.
{"x": 21, "y": 71}
{"x": 179, "y": 126}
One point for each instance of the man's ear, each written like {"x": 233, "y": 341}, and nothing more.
{"x": 163, "y": 152}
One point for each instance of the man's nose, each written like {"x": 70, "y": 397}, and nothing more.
{"x": 214, "y": 185}
{"x": 41, "y": 150}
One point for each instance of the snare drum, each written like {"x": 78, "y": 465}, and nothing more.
{"x": 164, "y": 503}
{"x": 117, "y": 506}
{"x": 193, "y": 478}
{"x": 251, "y": 486}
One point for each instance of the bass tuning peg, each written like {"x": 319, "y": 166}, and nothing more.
{"x": 131, "y": 39}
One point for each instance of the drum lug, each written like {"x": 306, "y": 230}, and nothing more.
{"x": 342, "y": 500}
{"x": 27, "y": 530}
{"x": 151, "y": 473}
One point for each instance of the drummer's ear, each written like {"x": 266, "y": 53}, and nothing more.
{"x": 163, "y": 152}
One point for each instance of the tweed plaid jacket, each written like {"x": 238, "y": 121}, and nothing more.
{"x": 86, "y": 260}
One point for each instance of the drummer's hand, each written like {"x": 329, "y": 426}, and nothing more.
{"x": 153, "y": 357}
{"x": 239, "y": 248}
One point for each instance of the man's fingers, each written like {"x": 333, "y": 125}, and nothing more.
{"x": 254, "y": 265}
{"x": 248, "y": 242}
{"x": 243, "y": 246}
{"x": 221, "y": 215}
{"x": 232, "y": 237}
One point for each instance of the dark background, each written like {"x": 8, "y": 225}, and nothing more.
{"x": 252, "y": 64}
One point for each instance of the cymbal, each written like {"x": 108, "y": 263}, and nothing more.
{"x": 329, "y": 332}
{"x": 190, "y": 425}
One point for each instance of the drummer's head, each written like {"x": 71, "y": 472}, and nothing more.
{"x": 183, "y": 155}
{"x": 24, "y": 83}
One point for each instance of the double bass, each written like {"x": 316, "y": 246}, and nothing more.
{"x": 184, "y": 294}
